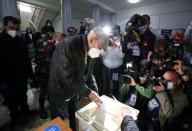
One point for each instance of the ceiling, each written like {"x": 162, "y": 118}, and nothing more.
{"x": 115, "y": 5}
{"x": 124, "y": 4}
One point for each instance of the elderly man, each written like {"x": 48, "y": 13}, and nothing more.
{"x": 71, "y": 73}
{"x": 171, "y": 97}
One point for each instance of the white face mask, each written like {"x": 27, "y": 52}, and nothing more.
{"x": 116, "y": 38}
{"x": 94, "y": 52}
{"x": 56, "y": 42}
{"x": 49, "y": 24}
{"x": 12, "y": 33}
{"x": 144, "y": 78}
{"x": 30, "y": 36}
{"x": 170, "y": 86}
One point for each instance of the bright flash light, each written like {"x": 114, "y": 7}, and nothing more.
{"x": 133, "y": 1}
{"x": 107, "y": 30}
{"x": 129, "y": 65}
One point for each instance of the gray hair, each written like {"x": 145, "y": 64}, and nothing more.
{"x": 102, "y": 37}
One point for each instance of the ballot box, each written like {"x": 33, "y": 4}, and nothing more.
{"x": 108, "y": 117}
{"x": 54, "y": 125}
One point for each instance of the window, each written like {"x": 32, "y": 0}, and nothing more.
{"x": 24, "y": 7}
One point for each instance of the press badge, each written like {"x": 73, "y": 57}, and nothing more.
{"x": 115, "y": 76}
{"x": 132, "y": 99}
{"x": 153, "y": 105}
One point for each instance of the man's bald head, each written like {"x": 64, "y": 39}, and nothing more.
{"x": 171, "y": 76}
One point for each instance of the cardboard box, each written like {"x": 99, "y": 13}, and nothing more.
{"x": 54, "y": 125}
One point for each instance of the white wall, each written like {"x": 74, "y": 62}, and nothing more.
{"x": 166, "y": 15}
{"x": 105, "y": 19}
{"x": 58, "y": 26}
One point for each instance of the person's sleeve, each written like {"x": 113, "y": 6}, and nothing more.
{"x": 128, "y": 124}
{"x": 171, "y": 109}
{"x": 89, "y": 77}
{"x": 147, "y": 92}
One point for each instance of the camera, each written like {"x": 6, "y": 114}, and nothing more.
{"x": 126, "y": 79}
{"x": 135, "y": 22}
{"x": 169, "y": 64}
{"x": 174, "y": 52}
{"x": 154, "y": 81}
{"x": 130, "y": 71}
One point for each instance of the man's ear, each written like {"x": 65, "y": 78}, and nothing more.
{"x": 91, "y": 43}
{"x": 92, "y": 38}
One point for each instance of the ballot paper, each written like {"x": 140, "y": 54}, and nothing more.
{"x": 108, "y": 117}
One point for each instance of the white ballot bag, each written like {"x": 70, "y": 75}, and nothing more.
{"x": 108, "y": 117}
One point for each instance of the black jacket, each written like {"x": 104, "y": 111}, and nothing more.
{"x": 148, "y": 41}
{"x": 70, "y": 72}
{"x": 14, "y": 61}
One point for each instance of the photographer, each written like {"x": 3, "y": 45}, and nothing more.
{"x": 159, "y": 57}
{"x": 148, "y": 39}
{"x": 177, "y": 46}
{"x": 185, "y": 76}
{"x": 171, "y": 98}
{"x": 137, "y": 95}
{"x": 112, "y": 62}
{"x": 132, "y": 46}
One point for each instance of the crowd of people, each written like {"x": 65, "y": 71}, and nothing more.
{"x": 150, "y": 74}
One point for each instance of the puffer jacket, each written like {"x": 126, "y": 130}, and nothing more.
{"x": 71, "y": 70}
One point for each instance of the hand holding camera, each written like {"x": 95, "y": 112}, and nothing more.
{"x": 159, "y": 88}
{"x": 129, "y": 80}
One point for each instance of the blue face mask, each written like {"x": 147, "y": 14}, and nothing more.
{"x": 170, "y": 86}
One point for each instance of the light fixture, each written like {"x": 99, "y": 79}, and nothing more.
{"x": 133, "y": 1}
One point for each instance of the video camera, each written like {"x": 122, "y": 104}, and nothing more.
{"x": 132, "y": 71}
{"x": 133, "y": 24}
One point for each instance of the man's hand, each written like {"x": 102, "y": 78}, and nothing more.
{"x": 133, "y": 83}
{"x": 125, "y": 111}
{"x": 179, "y": 67}
{"x": 95, "y": 97}
{"x": 160, "y": 88}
